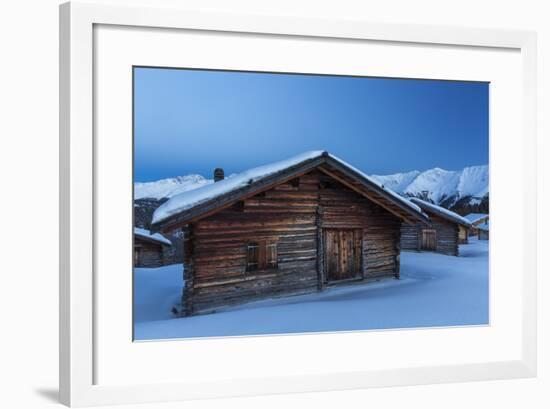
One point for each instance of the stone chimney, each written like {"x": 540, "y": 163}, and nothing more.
{"x": 218, "y": 174}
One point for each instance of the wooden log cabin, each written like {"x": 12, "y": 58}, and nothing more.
{"x": 442, "y": 236}
{"x": 483, "y": 231}
{"x": 463, "y": 233}
{"x": 149, "y": 249}
{"x": 292, "y": 227}
{"x": 476, "y": 219}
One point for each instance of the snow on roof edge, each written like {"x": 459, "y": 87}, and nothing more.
{"x": 475, "y": 217}
{"x": 138, "y": 231}
{"x": 195, "y": 197}
{"x": 449, "y": 213}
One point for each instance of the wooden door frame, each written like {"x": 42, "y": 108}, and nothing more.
{"x": 322, "y": 261}
{"x": 421, "y": 239}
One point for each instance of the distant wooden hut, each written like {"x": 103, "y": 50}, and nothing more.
{"x": 292, "y": 227}
{"x": 483, "y": 231}
{"x": 476, "y": 219}
{"x": 149, "y": 249}
{"x": 442, "y": 236}
{"x": 463, "y": 233}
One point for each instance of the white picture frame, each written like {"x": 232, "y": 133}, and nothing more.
{"x": 78, "y": 387}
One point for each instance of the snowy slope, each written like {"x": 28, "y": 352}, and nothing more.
{"x": 398, "y": 182}
{"x": 167, "y": 188}
{"x": 474, "y": 181}
{"x": 438, "y": 183}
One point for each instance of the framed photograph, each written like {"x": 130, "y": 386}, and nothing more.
{"x": 260, "y": 204}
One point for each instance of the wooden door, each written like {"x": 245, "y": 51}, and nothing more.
{"x": 343, "y": 257}
{"x": 429, "y": 240}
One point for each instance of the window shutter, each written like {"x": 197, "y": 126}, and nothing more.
{"x": 271, "y": 252}
{"x": 261, "y": 255}
{"x": 252, "y": 259}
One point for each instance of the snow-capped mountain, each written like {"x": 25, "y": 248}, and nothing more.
{"x": 469, "y": 186}
{"x": 463, "y": 191}
{"x": 166, "y": 188}
{"x": 397, "y": 182}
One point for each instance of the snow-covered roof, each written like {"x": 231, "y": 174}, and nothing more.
{"x": 190, "y": 199}
{"x": 483, "y": 226}
{"x": 441, "y": 211}
{"x": 371, "y": 180}
{"x": 156, "y": 237}
{"x": 475, "y": 217}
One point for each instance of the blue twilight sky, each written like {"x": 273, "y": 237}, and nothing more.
{"x": 192, "y": 121}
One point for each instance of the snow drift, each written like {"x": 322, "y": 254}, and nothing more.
{"x": 434, "y": 291}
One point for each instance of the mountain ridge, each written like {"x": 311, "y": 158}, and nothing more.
{"x": 463, "y": 191}
{"x": 442, "y": 187}
{"x": 169, "y": 187}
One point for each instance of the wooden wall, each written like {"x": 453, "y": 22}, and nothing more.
{"x": 410, "y": 236}
{"x": 483, "y": 234}
{"x": 293, "y": 215}
{"x": 149, "y": 254}
{"x": 462, "y": 235}
{"x": 446, "y": 234}
{"x": 218, "y": 245}
{"x": 341, "y": 207}
{"x": 474, "y": 231}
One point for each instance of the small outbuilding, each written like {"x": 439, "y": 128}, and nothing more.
{"x": 149, "y": 249}
{"x": 463, "y": 233}
{"x": 441, "y": 236}
{"x": 476, "y": 219}
{"x": 292, "y": 227}
{"x": 483, "y": 231}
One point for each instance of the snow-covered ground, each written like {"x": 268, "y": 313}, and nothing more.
{"x": 435, "y": 290}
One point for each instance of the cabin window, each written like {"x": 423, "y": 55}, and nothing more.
{"x": 261, "y": 255}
